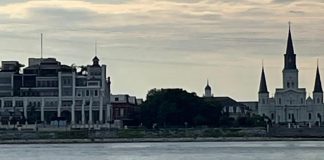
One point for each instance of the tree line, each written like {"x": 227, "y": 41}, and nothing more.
{"x": 179, "y": 108}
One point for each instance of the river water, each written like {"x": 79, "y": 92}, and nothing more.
{"x": 309, "y": 150}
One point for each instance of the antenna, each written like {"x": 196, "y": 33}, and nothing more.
{"x": 41, "y": 45}
{"x": 262, "y": 63}
{"x": 95, "y": 47}
{"x": 289, "y": 24}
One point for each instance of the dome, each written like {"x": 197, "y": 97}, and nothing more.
{"x": 95, "y": 61}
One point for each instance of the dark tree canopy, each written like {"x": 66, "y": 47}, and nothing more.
{"x": 177, "y": 107}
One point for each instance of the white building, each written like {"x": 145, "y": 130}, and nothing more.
{"x": 47, "y": 90}
{"x": 289, "y": 103}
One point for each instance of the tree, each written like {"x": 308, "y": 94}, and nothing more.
{"x": 175, "y": 107}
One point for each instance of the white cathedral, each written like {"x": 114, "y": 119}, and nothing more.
{"x": 290, "y": 103}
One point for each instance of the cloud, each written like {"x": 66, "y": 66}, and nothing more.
{"x": 152, "y": 36}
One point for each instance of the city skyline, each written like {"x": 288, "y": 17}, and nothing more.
{"x": 162, "y": 44}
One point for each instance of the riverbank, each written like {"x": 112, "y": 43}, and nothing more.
{"x": 160, "y": 140}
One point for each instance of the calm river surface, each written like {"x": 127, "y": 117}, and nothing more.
{"x": 167, "y": 151}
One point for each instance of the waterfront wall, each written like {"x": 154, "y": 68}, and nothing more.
{"x": 132, "y": 133}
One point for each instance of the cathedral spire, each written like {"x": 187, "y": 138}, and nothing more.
{"x": 290, "y": 57}
{"x": 207, "y": 86}
{"x": 318, "y": 83}
{"x": 263, "y": 83}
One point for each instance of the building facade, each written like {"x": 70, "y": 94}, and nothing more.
{"x": 290, "y": 103}
{"x": 124, "y": 107}
{"x": 46, "y": 90}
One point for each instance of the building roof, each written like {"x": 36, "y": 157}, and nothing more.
{"x": 318, "y": 83}
{"x": 263, "y": 83}
{"x": 225, "y": 101}
{"x": 207, "y": 86}
{"x": 95, "y": 61}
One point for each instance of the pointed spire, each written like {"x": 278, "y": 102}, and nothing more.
{"x": 318, "y": 83}
{"x": 207, "y": 86}
{"x": 263, "y": 83}
{"x": 290, "y": 56}
{"x": 290, "y": 46}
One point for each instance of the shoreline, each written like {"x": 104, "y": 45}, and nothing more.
{"x": 155, "y": 140}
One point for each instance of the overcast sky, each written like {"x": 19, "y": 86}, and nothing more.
{"x": 171, "y": 43}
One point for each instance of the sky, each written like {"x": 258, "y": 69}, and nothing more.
{"x": 171, "y": 43}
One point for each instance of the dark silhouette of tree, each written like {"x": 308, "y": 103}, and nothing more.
{"x": 175, "y": 107}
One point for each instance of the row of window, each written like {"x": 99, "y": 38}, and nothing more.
{"x": 291, "y": 116}
{"x": 88, "y": 93}
{"x": 52, "y": 83}
{"x": 48, "y": 103}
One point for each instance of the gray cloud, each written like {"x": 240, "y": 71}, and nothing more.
{"x": 223, "y": 40}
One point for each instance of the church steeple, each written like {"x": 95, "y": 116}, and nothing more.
{"x": 208, "y": 90}
{"x": 290, "y": 56}
{"x": 318, "y": 83}
{"x": 263, "y": 83}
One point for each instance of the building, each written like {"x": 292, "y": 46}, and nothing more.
{"x": 290, "y": 103}
{"x": 230, "y": 106}
{"x": 47, "y": 90}
{"x": 124, "y": 107}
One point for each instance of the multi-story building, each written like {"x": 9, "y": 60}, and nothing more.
{"x": 124, "y": 107}
{"x": 47, "y": 90}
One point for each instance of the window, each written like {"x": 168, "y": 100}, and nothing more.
{"x": 292, "y": 84}
{"x": 288, "y": 84}
{"x": 87, "y": 93}
{"x": 279, "y": 100}
{"x": 122, "y": 112}
{"x": 79, "y": 93}
{"x": 96, "y": 93}
{"x": 93, "y": 83}
{"x": 263, "y": 101}
{"x": 272, "y": 116}
{"x": 116, "y": 99}
{"x": 289, "y": 116}
{"x": 318, "y": 100}
{"x": 19, "y": 103}
{"x": 301, "y": 100}
{"x": 309, "y": 116}
{"x": 7, "y": 103}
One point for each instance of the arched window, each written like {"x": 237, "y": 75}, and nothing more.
{"x": 263, "y": 101}
{"x": 301, "y": 100}
{"x": 292, "y": 84}
{"x": 279, "y": 100}
{"x": 318, "y": 100}
{"x": 288, "y": 84}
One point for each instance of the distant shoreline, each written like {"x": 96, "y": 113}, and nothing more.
{"x": 161, "y": 140}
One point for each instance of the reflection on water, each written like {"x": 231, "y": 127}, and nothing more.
{"x": 167, "y": 151}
